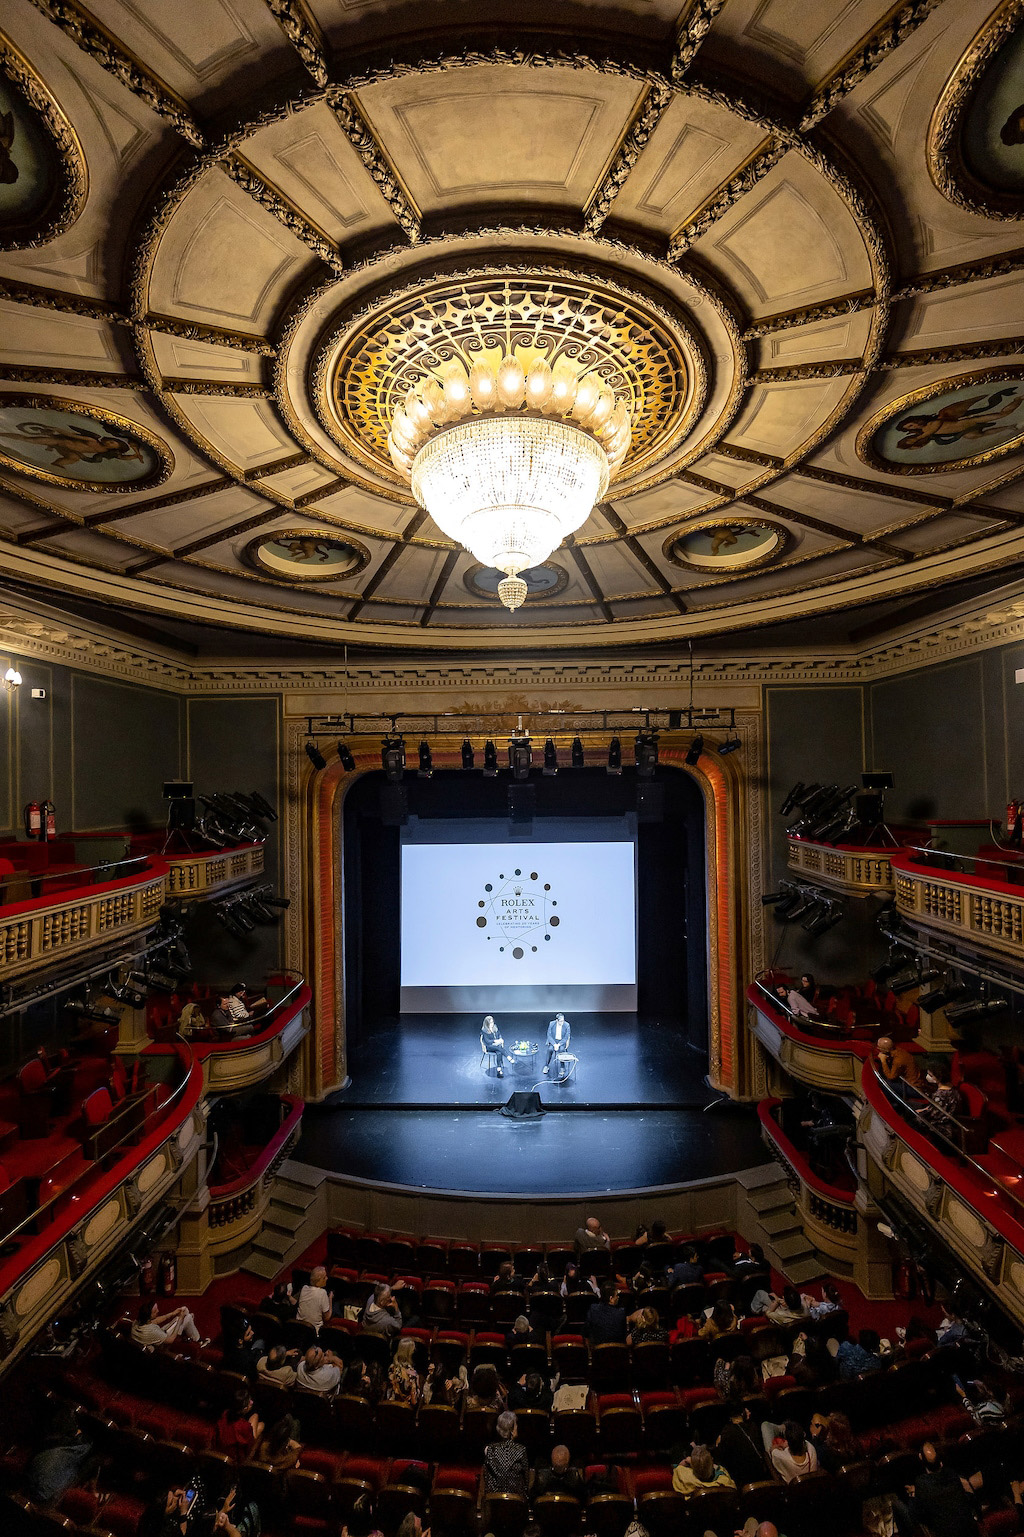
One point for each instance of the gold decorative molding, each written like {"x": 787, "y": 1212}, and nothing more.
{"x": 229, "y": 389}
{"x": 198, "y": 331}
{"x": 834, "y": 368}
{"x": 1002, "y": 265}
{"x": 164, "y": 459}
{"x": 926, "y": 357}
{"x": 763, "y": 160}
{"x": 302, "y": 31}
{"x": 893, "y": 30}
{"x": 645, "y": 119}
{"x": 263, "y": 192}
{"x": 811, "y": 314}
{"x": 866, "y": 435}
{"x": 946, "y": 162}
{"x": 385, "y": 177}
{"x": 80, "y": 378}
{"x": 72, "y": 180}
{"x": 154, "y": 504}
{"x": 691, "y": 35}
{"x": 86, "y": 33}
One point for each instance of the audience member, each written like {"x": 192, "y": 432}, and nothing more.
{"x": 831, "y": 1301}
{"x": 239, "y": 1427}
{"x": 403, "y": 1378}
{"x": 856, "y": 1357}
{"x": 279, "y": 1447}
{"x": 445, "y": 1385}
{"x": 737, "y": 1379}
{"x": 319, "y": 1370}
{"x": 561, "y": 1477}
{"x": 278, "y": 1365}
{"x": 154, "y": 1328}
{"x": 506, "y": 1280}
{"x": 530, "y": 1392}
{"x": 485, "y": 1389}
{"x": 381, "y": 1313}
{"x": 645, "y": 1328}
{"x": 591, "y": 1236}
{"x": 522, "y": 1332}
{"x": 687, "y": 1271}
{"x": 506, "y": 1466}
{"x": 838, "y": 1446}
{"x": 700, "y": 1471}
{"x": 242, "y": 1350}
{"x": 948, "y": 1105}
{"x": 739, "y": 1447}
{"x": 937, "y": 1499}
{"x": 606, "y": 1318}
{"x": 281, "y": 1304}
{"x": 64, "y": 1459}
{"x": 315, "y": 1306}
{"x": 896, "y": 1063}
{"x": 722, "y": 1320}
{"x": 789, "y": 1451}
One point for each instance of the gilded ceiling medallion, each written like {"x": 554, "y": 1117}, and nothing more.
{"x": 976, "y": 137}
{"x": 726, "y": 542}
{"x": 545, "y": 581}
{"x": 69, "y": 443}
{"x": 593, "y": 325}
{"x": 43, "y": 179}
{"x": 306, "y": 555}
{"x": 953, "y": 424}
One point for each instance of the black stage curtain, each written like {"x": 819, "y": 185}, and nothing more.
{"x": 672, "y": 954}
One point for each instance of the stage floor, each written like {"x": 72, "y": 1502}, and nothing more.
{"x": 476, "y": 1151}
{"x": 424, "y": 1061}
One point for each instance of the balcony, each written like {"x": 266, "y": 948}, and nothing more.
{"x": 855, "y": 871}
{"x": 827, "y": 1207}
{"x": 49, "y": 915}
{"x": 973, "y": 1199}
{"x": 191, "y": 877}
{"x": 237, "y": 1206}
{"x": 81, "y": 1181}
{"x": 825, "y": 1054}
{"x": 976, "y": 899}
{"x": 230, "y": 1064}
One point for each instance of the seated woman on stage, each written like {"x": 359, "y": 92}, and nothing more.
{"x": 490, "y": 1040}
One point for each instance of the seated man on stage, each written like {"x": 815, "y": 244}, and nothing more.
{"x": 558, "y": 1038}
{"x": 490, "y": 1040}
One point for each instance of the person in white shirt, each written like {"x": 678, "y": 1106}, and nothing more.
{"x": 558, "y": 1037}
{"x": 319, "y": 1370}
{"x": 153, "y": 1328}
{"x": 315, "y": 1300}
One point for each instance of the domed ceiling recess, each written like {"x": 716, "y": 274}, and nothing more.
{"x": 239, "y": 239}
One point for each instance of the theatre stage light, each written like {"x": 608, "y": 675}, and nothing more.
{"x": 731, "y": 744}
{"x": 615, "y": 756}
{"x": 467, "y": 754}
{"x": 426, "y": 767}
{"x": 490, "y": 761}
{"x": 578, "y": 759}
{"x": 315, "y": 756}
{"x": 345, "y": 757}
{"x": 520, "y": 756}
{"x": 694, "y": 751}
{"x": 646, "y": 753}
{"x": 789, "y": 804}
{"x": 550, "y": 759}
{"x": 392, "y": 757}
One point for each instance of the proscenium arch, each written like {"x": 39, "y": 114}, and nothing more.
{"x": 724, "y": 789}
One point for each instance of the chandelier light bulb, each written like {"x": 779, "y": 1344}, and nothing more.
{"x": 511, "y": 383}
{"x": 538, "y": 385}
{"x": 483, "y": 387}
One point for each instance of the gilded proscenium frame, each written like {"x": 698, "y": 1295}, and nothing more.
{"x": 71, "y": 187}
{"x": 316, "y": 854}
{"x": 938, "y": 387}
{"x": 121, "y": 424}
{"x": 947, "y": 163}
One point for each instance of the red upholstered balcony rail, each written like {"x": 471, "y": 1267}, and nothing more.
{"x": 292, "y": 1107}
{"x": 1002, "y": 875}
{"x": 295, "y": 995}
{"x": 767, "y": 1111}
{"x": 27, "y": 887}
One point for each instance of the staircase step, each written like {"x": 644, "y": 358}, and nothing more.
{"x": 283, "y": 1218}
{"x": 264, "y": 1265}
{"x": 801, "y": 1270}
{"x": 302, "y": 1174}
{"x": 275, "y": 1242}
{"x": 792, "y": 1246}
{"x": 781, "y": 1221}
{"x": 296, "y": 1197}
{"x": 770, "y": 1197}
{"x": 762, "y": 1174}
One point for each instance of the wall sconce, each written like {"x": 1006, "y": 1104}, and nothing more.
{"x": 12, "y": 678}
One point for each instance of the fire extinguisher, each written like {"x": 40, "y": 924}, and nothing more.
{"x": 33, "y": 820}
{"x": 168, "y": 1274}
{"x": 147, "y": 1278}
{"x": 1014, "y": 823}
{"x": 49, "y": 815}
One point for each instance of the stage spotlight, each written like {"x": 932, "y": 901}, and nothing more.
{"x": 646, "y": 753}
{"x": 550, "y": 759}
{"x": 731, "y": 744}
{"x": 578, "y": 759}
{"x": 345, "y": 757}
{"x": 904, "y": 982}
{"x": 520, "y": 756}
{"x": 392, "y": 757}
{"x": 315, "y": 756}
{"x": 820, "y": 923}
{"x": 770, "y": 898}
{"x": 694, "y": 751}
{"x": 490, "y": 760}
{"x": 426, "y": 767}
{"x": 891, "y": 968}
{"x": 789, "y": 803}
{"x": 974, "y": 1009}
{"x": 615, "y": 756}
{"x": 467, "y": 754}
{"x": 940, "y": 996}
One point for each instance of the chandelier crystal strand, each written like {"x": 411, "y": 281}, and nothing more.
{"x": 495, "y": 459}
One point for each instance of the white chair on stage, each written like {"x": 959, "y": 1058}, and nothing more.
{"x": 567, "y": 1065}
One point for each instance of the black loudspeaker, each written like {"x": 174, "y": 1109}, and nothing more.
{"x": 868, "y": 808}
{"x": 650, "y": 801}
{"x": 394, "y": 805}
{"x": 523, "y": 1105}
{"x": 522, "y": 801}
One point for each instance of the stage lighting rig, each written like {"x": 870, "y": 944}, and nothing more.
{"x": 614, "y": 756}
{"x": 345, "y": 757}
{"x": 426, "y": 767}
{"x": 790, "y": 802}
{"x": 972, "y": 1010}
{"x": 490, "y": 761}
{"x": 467, "y": 754}
{"x": 646, "y": 749}
{"x": 520, "y": 756}
{"x": 578, "y": 758}
{"x": 820, "y": 923}
{"x": 550, "y": 759}
{"x": 694, "y": 751}
{"x": 392, "y": 757}
{"x": 731, "y": 744}
{"x": 315, "y": 756}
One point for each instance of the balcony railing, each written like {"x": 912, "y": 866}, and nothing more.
{"x": 236, "y": 1208}
{"x": 191, "y": 876}
{"x": 973, "y": 898}
{"x": 818, "y": 1052}
{"x": 76, "y": 911}
{"x": 857, "y": 871}
{"x": 240, "y": 1062}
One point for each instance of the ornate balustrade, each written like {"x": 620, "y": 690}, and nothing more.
{"x": 857, "y": 872}
{"x": 61, "y": 1245}
{"x": 238, "y": 1064}
{"x": 828, "y": 1213}
{"x": 978, "y": 1215}
{"x": 946, "y": 894}
{"x": 48, "y": 929}
{"x": 236, "y": 1210}
{"x": 192, "y": 876}
{"x": 829, "y": 1058}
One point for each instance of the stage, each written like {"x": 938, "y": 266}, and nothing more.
{"x": 426, "y": 1061}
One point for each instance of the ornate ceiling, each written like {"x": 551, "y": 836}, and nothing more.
{"x": 233, "y": 231}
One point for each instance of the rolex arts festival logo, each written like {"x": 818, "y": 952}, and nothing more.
{"x": 518, "y": 912}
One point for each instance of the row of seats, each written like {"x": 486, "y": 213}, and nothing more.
{"x": 350, "y": 1248}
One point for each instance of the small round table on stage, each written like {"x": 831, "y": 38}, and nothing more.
{"x": 522, "y": 1054}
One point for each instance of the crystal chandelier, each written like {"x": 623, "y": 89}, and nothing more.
{"x": 510, "y": 457}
